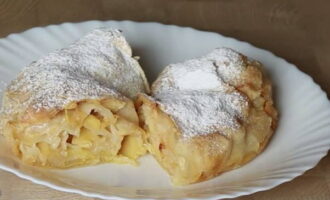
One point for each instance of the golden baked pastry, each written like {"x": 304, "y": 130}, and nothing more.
{"x": 208, "y": 115}
{"x": 75, "y": 106}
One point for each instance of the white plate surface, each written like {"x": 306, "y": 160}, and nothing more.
{"x": 301, "y": 140}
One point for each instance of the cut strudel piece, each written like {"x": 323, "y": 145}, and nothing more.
{"x": 208, "y": 115}
{"x": 75, "y": 106}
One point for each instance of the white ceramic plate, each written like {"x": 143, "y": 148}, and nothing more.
{"x": 301, "y": 140}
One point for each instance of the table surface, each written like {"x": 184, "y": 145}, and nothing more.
{"x": 297, "y": 30}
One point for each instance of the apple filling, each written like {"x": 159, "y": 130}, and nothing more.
{"x": 84, "y": 133}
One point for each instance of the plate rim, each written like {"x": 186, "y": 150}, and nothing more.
{"x": 276, "y": 183}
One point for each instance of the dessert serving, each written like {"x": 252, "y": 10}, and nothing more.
{"x": 75, "y": 106}
{"x": 208, "y": 115}
{"x": 300, "y": 140}
{"x": 90, "y": 103}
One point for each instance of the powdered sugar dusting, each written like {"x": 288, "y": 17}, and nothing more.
{"x": 214, "y": 71}
{"x": 229, "y": 64}
{"x": 97, "y": 65}
{"x": 199, "y": 113}
{"x": 198, "y": 93}
{"x": 197, "y": 79}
